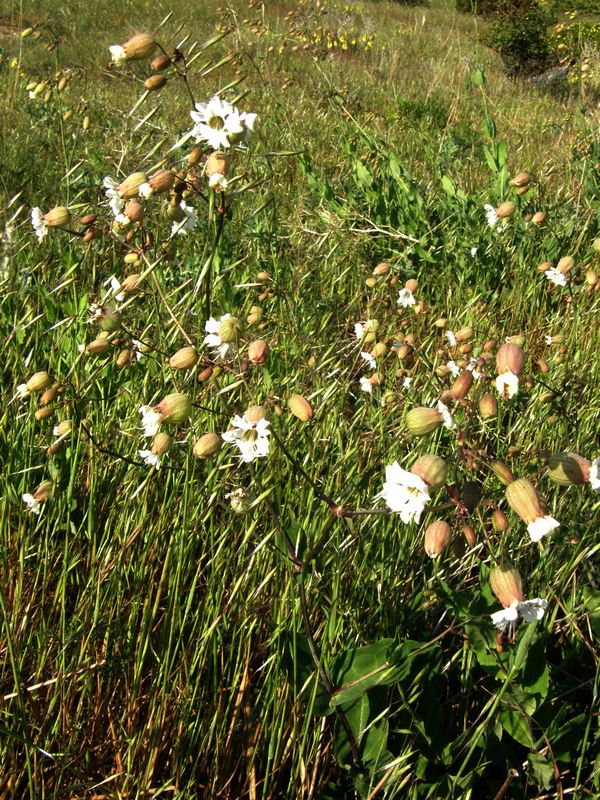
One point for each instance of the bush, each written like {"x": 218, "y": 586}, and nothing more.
{"x": 483, "y": 7}
{"x": 519, "y": 34}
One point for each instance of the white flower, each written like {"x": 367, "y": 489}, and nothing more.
{"x": 149, "y": 458}
{"x": 451, "y": 338}
{"x": 454, "y": 369}
{"x": 218, "y": 181}
{"x": 369, "y": 359}
{"x": 407, "y": 382}
{"x": 473, "y": 251}
{"x": 39, "y": 224}
{"x": 556, "y": 277}
{"x": 117, "y": 53}
{"x": 33, "y": 505}
{"x": 359, "y": 329}
{"x": 213, "y": 339}
{"x": 115, "y": 201}
{"x": 122, "y": 219}
{"x": 541, "y": 527}
{"x": 548, "y": 340}
{"x": 248, "y": 119}
{"x": 404, "y": 493}
{"x": 220, "y": 124}
{"x": 188, "y": 223}
{"x": 529, "y": 610}
{"x": 472, "y": 367}
{"x": 145, "y": 190}
{"x": 594, "y": 474}
{"x": 251, "y": 438}
{"x": 366, "y": 385}
{"x": 406, "y": 298}
{"x": 447, "y": 416}
{"x": 507, "y": 384}
{"x": 490, "y": 213}
{"x": 115, "y": 288}
{"x": 22, "y": 391}
{"x": 151, "y": 420}
{"x": 137, "y": 346}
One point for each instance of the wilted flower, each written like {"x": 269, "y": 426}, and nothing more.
{"x": 556, "y": 277}
{"x": 369, "y": 359}
{"x": 218, "y": 181}
{"x": 251, "y": 438}
{"x": 187, "y": 223}
{"x": 150, "y": 458}
{"x": 113, "y": 196}
{"x": 404, "y": 493}
{"x": 451, "y": 338}
{"x": 454, "y": 368}
{"x": 39, "y": 224}
{"x": 366, "y": 385}
{"x": 446, "y": 415}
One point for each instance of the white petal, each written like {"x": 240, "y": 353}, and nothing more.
{"x": 507, "y": 384}
{"x": 366, "y": 385}
{"x": 541, "y": 527}
{"x": 532, "y": 610}
{"x": 594, "y": 473}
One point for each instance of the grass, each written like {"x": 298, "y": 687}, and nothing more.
{"x": 218, "y": 628}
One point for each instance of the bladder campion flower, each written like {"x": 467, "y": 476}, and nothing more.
{"x": 404, "y": 493}
{"x": 249, "y": 436}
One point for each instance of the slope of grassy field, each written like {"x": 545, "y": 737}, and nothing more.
{"x": 286, "y": 423}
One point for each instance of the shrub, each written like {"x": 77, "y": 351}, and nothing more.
{"x": 519, "y": 34}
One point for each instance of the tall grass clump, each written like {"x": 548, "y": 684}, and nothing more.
{"x": 299, "y": 441}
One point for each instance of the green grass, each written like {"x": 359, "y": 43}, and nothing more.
{"x": 160, "y": 638}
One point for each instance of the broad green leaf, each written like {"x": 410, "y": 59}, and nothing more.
{"x": 541, "y": 771}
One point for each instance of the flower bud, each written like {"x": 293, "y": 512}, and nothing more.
{"x": 432, "y": 469}
{"x": 510, "y": 358}
{"x": 125, "y": 358}
{"x": 139, "y": 47}
{"x": 381, "y": 269}
{"x": 161, "y": 443}
{"x": 87, "y": 219}
{"x": 411, "y": 285}
{"x": 160, "y": 63}
{"x": 134, "y": 211}
{"x": 468, "y": 532}
{"x": 520, "y": 180}
{"x": 422, "y": 420}
{"x": 300, "y": 407}
{"x": 461, "y": 386}
{"x": 506, "y": 584}
{"x": 109, "y": 319}
{"x": 255, "y": 413}
{"x": 230, "y": 329}
{"x": 258, "y": 351}
{"x": 63, "y": 428}
{"x": 500, "y": 520}
{"x": 38, "y": 382}
{"x": 255, "y": 315}
{"x": 207, "y": 445}
{"x": 185, "y": 358}
{"x": 525, "y": 500}
{"x": 57, "y": 217}
{"x": 130, "y": 186}
{"x": 565, "y": 264}
{"x": 591, "y": 277}
{"x": 98, "y": 346}
{"x": 464, "y": 333}
{"x": 155, "y": 82}
{"x": 175, "y": 408}
{"x": 501, "y": 471}
{"x": 539, "y": 218}
{"x": 437, "y": 537}
{"x": 43, "y": 413}
{"x": 488, "y": 406}
{"x": 471, "y": 495}
{"x": 44, "y": 491}
{"x": 217, "y": 162}
{"x": 505, "y": 210}
{"x": 568, "y": 469}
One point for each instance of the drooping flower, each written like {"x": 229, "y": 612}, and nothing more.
{"x": 507, "y": 384}
{"x": 406, "y": 298}
{"x": 187, "y": 223}
{"x": 115, "y": 201}
{"x": 39, "y": 223}
{"x": 369, "y": 359}
{"x": 33, "y": 506}
{"x": 404, "y": 493}
{"x": 529, "y": 610}
{"x": 250, "y": 437}
{"x": 150, "y": 458}
{"x": 213, "y": 339}
{"x": 446, "y": 415}
{"x": 556, "y": 277}
{"x": 366, "y": 385}
{"x": 218, "y": 181}
{"x": 491, "y": 216}
{"x": 151, "y": 420}
{"x": 117, "y": 54}
{"x": 451, "y": 338}
{"x": 525, "y": 500}
{"x": 454, "y": 368}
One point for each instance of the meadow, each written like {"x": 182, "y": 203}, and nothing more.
{"x": 299, "y": 446}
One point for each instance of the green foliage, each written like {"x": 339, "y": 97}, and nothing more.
{"x": 519, "y": 34}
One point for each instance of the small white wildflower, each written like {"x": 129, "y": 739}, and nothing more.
{"x": 446, "y": 415}
{"x": 218, "y": 181}
{"x": 213, "y": 339}
{"x": 115, "y": 288}
{"x": 366, "y": 385}
{"x": 472, "y": 367}
{"x": 451, "y": 338}
{"x": 529, "y": 610}
{"x": 407, "y": 382}
{"x": 115, "y": 201}
{"x": 251, "y": 438}
{"x": 454, "y": 368}
{"x": 151, "y": 420}
{"x": 33, "y": 506}
{"x": 145, "y": 190}
{"x": 137, "y": 346}
{"x": 39, "y": 224}
{"x": 404, "y": 493}
{"x": 188, "y": 223}
{"x": 548, "y": 340}
{"x": 473, "y": 251}
{"x": 594, "y": 478}
{"x": 541, "y": 527}
{"x": 118, "y": 54}
{"x": 491, "y": 216}
{"x": 507, "y": 384}
{"x": 556, "y": 277}
{"x": 369, "y": 359}
{"x": 406, "y": 298}
{"x": 149, "y": 458}
{"x": 22, "y": 391}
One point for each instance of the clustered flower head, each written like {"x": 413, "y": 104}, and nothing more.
{"x": 220, "y": 124}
